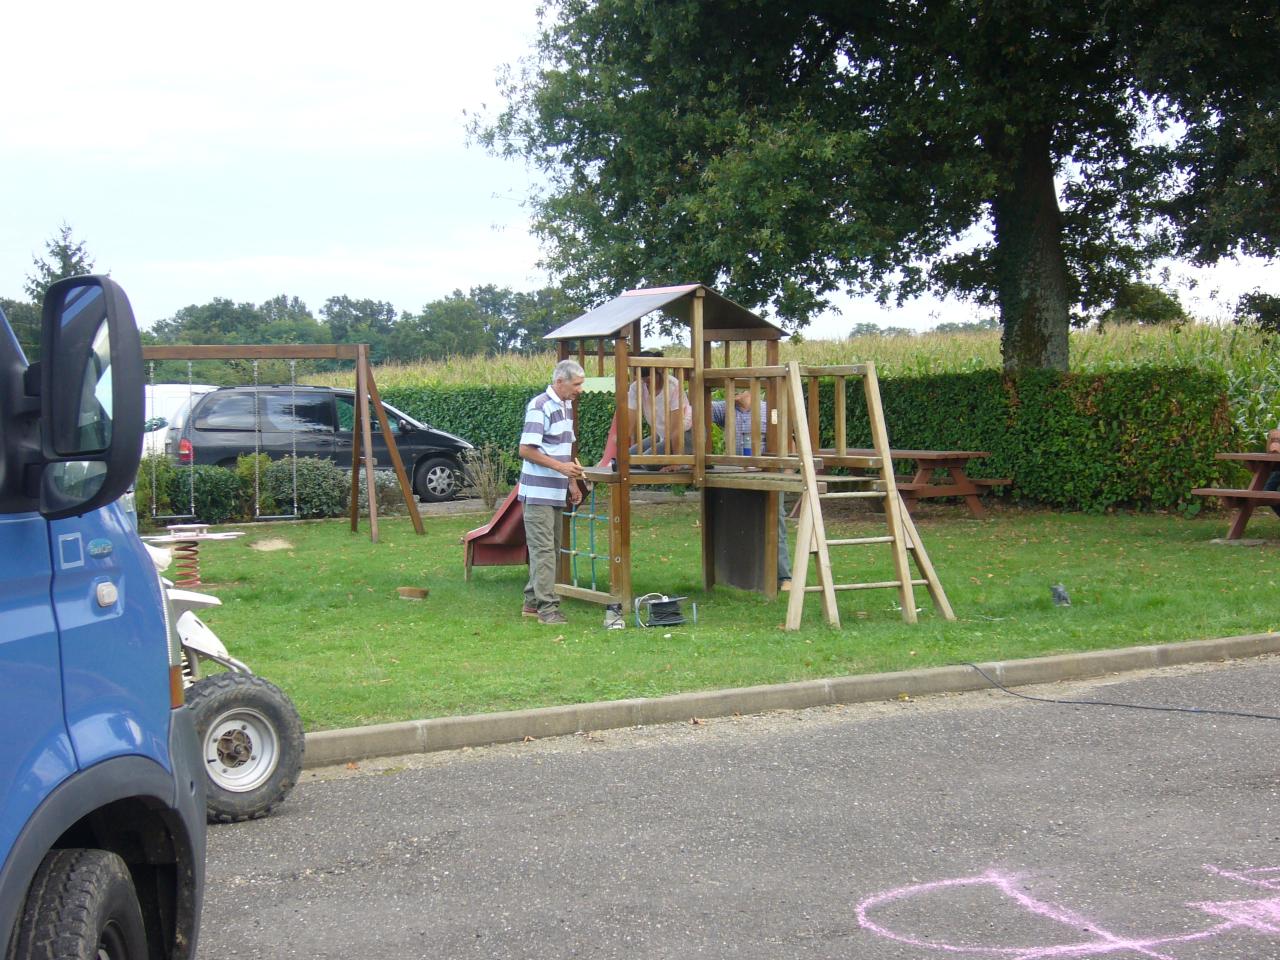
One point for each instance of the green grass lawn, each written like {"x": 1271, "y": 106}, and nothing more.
{"x": 322, "y": 618}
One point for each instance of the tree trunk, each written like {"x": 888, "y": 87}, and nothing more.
{"x": 1031, "y": 272}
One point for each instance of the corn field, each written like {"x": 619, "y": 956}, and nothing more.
{"x": 1249, "y": 359}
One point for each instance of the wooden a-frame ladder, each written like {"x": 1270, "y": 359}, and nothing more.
{"x": 811, "y": 538}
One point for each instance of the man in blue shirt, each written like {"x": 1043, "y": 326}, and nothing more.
{"x": 546, "y": 482}
{"x": 742, "y": 418}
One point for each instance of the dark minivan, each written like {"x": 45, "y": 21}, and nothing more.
{"x": 305, "y": 421}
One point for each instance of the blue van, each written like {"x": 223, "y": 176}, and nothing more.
{"x": 102, "y": 809}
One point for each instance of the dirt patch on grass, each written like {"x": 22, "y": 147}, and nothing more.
{"x": 271, "y": 543}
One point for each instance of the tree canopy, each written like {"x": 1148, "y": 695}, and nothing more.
{"x": 63, "y": 258}
{"x": 1035, "y": 155}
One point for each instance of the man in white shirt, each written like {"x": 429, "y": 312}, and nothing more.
{"x": 548, "y": 478}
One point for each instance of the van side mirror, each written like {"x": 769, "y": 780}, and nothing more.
{"x": 91, "y": 404}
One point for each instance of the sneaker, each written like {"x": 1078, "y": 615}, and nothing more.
{"x": 528, "y": 611}
{"x": 552, "y": 617}
{"x": 784, "y": 585}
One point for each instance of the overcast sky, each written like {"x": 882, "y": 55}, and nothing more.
{"x": 310, "y": 149}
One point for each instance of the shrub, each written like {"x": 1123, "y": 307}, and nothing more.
{"x": 215, "y": 491}
{"x": 151, "y": 489}
{"x": 323, "y": 487}
{"x": 386, "y": 492}
{"x": 492, "y": 469}
{"x": 245, "y": 474}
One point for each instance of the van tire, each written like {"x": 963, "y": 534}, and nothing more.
{"x": 251, "y": 738}
{"x": 436, "y": 480}
{"x": 82, "y": 905}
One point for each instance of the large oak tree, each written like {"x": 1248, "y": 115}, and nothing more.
{"x": 1036, "y": 155}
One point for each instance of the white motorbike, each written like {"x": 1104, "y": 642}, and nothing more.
{"x": 249, "y": 730}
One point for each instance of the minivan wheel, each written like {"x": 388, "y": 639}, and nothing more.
{"x": 435, "y": 480}
{"x": 82, "y": 904}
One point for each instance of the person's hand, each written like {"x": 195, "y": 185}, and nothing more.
{"x": 575, "y": 494}
{"x": 573, "y": 470}
{"x": 1273, "y": 441}
{"x": 672, "y": 468}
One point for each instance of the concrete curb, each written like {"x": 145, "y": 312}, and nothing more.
{"x": 449, "y": 733}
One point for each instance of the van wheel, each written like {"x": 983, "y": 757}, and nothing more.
{"x": 251, "y": 738}
{"x": 436, "y": 480}
{"x": 82, "y": 906}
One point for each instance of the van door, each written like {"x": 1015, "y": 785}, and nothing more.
{"x": 298, "y": 421}
{"x": 115, "y": 646}
{"x": 37, "y": 751}
{"x": 346, "y": 426}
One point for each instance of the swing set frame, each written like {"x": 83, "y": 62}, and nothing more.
{"x": 368, "y": 404}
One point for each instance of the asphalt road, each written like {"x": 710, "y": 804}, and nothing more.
{"x": 975, "y": 825}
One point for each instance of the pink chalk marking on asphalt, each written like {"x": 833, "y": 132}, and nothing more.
{"x": 1258, "y": 916}
{"x": 1266, "y": 877}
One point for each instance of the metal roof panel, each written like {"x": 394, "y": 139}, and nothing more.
{"x": 611, "y": 318}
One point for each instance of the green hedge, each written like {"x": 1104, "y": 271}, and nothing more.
{"x": 1141, "y": 437}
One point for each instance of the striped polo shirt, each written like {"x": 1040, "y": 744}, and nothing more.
{"x": 548, "y": 424}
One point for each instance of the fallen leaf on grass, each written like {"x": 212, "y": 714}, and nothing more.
{"x": 353, "y": 765}
{"x": 695, "y": 721}
{"x": 528, "y": 739}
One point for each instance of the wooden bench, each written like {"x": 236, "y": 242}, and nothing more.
{"x": 921, "y": 485}
{"x": 1243, "y": 501}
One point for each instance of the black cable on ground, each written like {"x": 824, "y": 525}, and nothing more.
{"x": 1110, "y": 703}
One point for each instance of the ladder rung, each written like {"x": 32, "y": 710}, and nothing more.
{"x": 865, "y": 586}
{"x": 851, "y": 495}
{"x": 856, "y": 541}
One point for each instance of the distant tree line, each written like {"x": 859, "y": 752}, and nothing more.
{"x": 484, "y": 320}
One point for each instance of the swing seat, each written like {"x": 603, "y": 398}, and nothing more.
{"x": 500, "y": 542}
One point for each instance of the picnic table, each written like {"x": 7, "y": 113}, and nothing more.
{"x": 922, "y": 485}
{"x": 1243, "y": 501}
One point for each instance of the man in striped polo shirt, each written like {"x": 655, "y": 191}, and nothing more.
{"x": 546, "y": 447}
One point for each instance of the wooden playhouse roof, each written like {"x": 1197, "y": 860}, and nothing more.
{"x": 718, "y": 313}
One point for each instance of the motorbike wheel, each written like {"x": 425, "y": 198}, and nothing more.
{"x": 251, "y": 737}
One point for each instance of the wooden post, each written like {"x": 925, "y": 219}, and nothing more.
{"x": 776, "y": 440}
{"x": 366, "y": 440}
{"x": 893, "y": 506}
{"x": 406, "y": 489}
{"x": 795, "y": 391}
{"x": 813, "y": 413}
{"x": 842, "y": 443}
{"x": 620, "y": 519}
{"x": 698, "y": 385}
{"x": 759, "y": 431}
{"x": 357, "y": 438}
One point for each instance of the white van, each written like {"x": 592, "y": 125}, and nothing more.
{"x": 161, "y": 402}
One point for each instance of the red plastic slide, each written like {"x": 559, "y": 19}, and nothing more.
{"x": 501, "y": 541}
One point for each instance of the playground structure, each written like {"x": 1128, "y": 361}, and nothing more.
{"x": 368, "y": 404}
{"x": 741, "y": 488}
